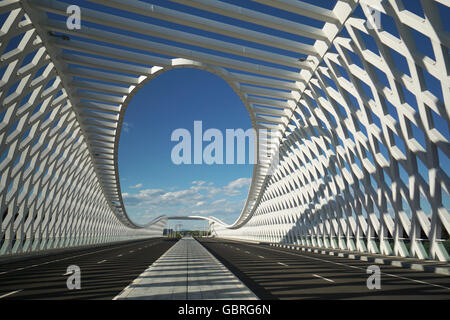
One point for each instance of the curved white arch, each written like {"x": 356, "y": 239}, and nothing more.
{"x": 220, "y": 72}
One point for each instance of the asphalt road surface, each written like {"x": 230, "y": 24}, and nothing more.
{"x": 104, "y": 271}
{"x": 271, "y": 273}
{"x": 275, "y": 273}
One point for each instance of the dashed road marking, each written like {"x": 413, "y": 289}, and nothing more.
{"x": 326, "y": 279}
{"x": 354, "y": 267}
{"x": 80, "y": 255}
{"x": 10, "y": 293}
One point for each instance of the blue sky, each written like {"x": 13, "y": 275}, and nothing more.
{"x": 151, "y": 184}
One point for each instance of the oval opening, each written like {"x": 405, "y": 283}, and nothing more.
{"x": 192, "y": 102}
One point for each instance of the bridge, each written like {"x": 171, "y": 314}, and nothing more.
{"x": 355, "y": 94}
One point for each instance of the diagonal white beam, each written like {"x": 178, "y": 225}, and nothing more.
{"x": 302, "y": 8}
{"x": 244, "y": 14}
{"x": 201, "y": 23}
{"x": 86, "y": 61}
{"x": 265, "y": 82}
{"x": 151, "y": 46}
{"x": 109, "y": 52}
{"x": 183, "y": 37}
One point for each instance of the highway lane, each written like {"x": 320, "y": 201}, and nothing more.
{"x": 105, "y": 271}
{"x": 275, "y": 273}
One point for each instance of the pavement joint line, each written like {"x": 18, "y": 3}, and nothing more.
{"x": 81, "y": 255}
{"x": 326, "y": 279}
{"x": 10, "y": 293}
{"x": 337, "y": 263}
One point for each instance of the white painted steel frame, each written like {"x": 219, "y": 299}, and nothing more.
{"x": 347, "y": 139}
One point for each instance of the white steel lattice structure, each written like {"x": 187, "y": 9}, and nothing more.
{"x": 358, "y": 99}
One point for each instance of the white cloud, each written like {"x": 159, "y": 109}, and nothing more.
{"x": 126, "y": 126}
{"x": 239, "y": 183}
{"x": 235, "y": 186}
{"x": 220, "y": 201}
{"x": 198, "y": 183}
{"x": 138, "y": 186}
{"x": 201, "y": 198}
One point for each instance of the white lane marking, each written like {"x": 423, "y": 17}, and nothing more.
{"x": 326, "y": 279}
{"x": 261, "y": 257}
{"x": 102, "y": 261}
{"x": 354, "y": 267}
{"x": 247, "y": 252}
{"x": 414, "y": 280}
{"x": 4, "y": 272}
{"x": 119, "y": 255}
{"x": 283, "y": 264}
{"x": 131, "y": 251}
{"x": 10, "y": 293}
{"x": 80, "y": 255}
